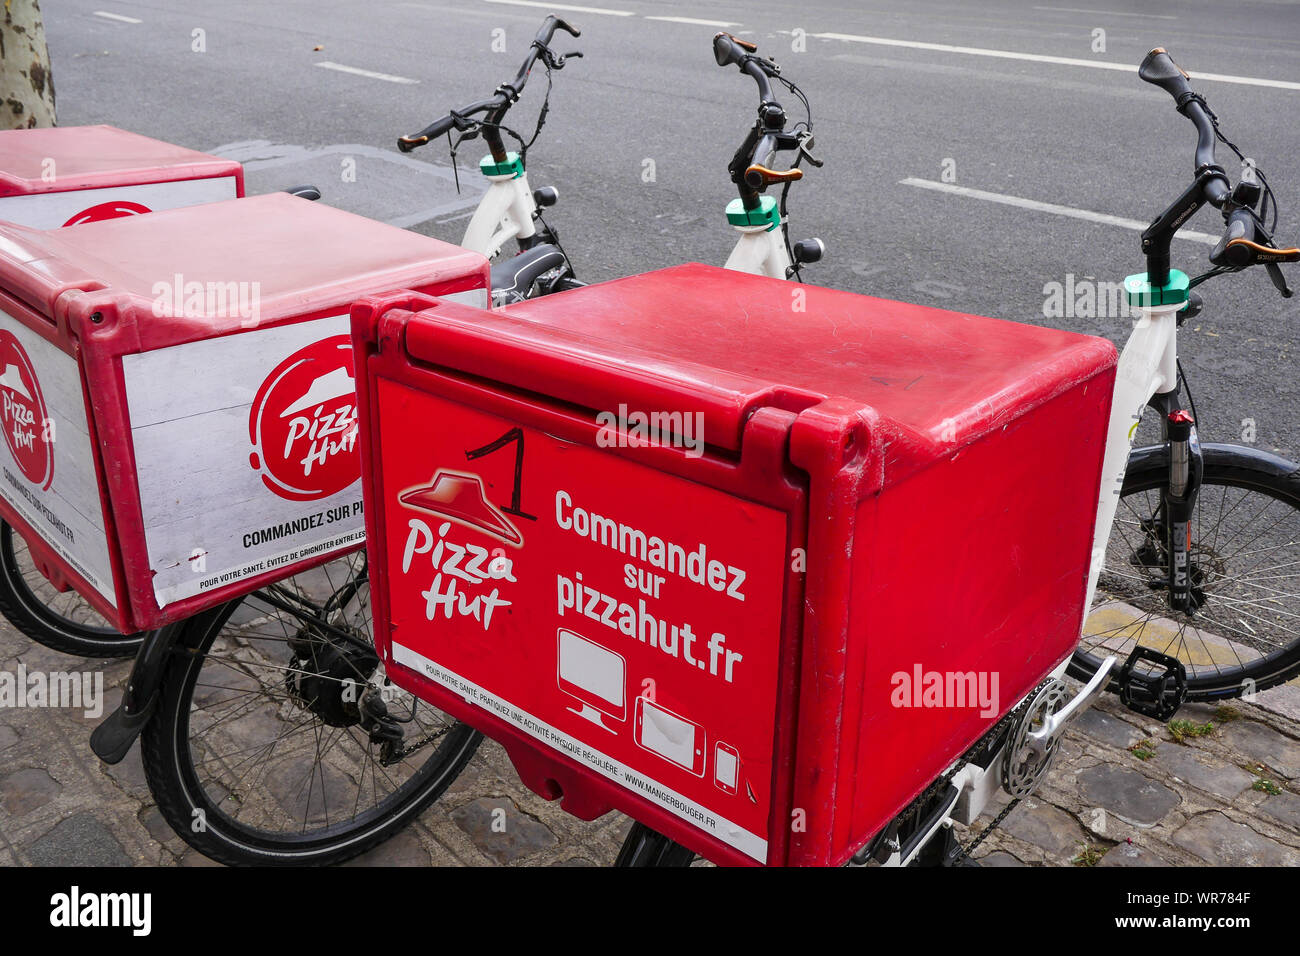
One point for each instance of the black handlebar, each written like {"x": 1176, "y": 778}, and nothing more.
{"x": 749, "y": 167}
{"x": 500, "y": 102}
{"x": 1159, "y": 69}
{"x": 1245, "y": 240}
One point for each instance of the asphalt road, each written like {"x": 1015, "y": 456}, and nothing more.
{"x": 1072, "y": 134}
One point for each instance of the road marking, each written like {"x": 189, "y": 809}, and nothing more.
{"x": 694, "y": 22}
{"x": 1043, "y": 58}
{"x": 116, "y": 16}
{"x": 355, "y": 71}
{"x": 1108, "y": 13}
{"x": 565, "y": 6}
{"x": 1057, "y": 210}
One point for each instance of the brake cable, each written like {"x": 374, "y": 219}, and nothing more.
{"x": 795, "y": 267}
{"x": 1269, "y": 201}
{"x": 549, "y": 63}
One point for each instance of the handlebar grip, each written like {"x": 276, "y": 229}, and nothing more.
{"x": 431, "y": 132}
{"x": 728, "y": 51}
{"x": 1159, "y": 68}
{"x": 550, "y": 25}
{"x": 1241, "y": 225}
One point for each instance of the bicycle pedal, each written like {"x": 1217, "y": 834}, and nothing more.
{"x": 1158, "y": 694}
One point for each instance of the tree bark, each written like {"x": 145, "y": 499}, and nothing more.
{"x": 26, "y": 86}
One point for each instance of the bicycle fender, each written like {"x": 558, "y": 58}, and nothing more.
{"x": 1216, "y": 453}
{"x": 112, "y": 739}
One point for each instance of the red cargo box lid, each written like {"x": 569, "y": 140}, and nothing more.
{"x": 173, "y": 257}
{"x": 730, "y": 343}
{"x": 883, "y": 489}
{"x": 95, "y": 157}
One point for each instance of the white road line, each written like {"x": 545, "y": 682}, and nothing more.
{"x": 355, "y": 71}
{"x": 1108, "y": 13}
{"x": 1042, "y": 58}
{"x": 565, "y": 6}
{"x": 1036, "y": 206}
{"x": 116, "y": 16}
{"x": 694, "y": 22}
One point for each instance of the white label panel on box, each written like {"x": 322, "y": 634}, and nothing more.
{"x": 47, "y": 467}
{"x": 76, "y": 206}
{"x": 246, "y": 453}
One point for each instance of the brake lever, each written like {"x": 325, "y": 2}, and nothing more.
{"x": 556, "y": 61}
{"x": 805, "y": 150}
{"x": 1279, "y": 280}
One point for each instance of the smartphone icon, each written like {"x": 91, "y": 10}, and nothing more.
{"x": 726, "y": 767}
{"x": 670, "y": 736}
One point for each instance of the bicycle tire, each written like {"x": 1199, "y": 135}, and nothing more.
{"x": 184, "y": 796}
{"x": 1273, "y": 491}
{"x": 644, "y": 847}
{"x": 32, "y": 605}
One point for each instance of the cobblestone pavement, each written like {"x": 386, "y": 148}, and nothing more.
{"x": 1125, "y": 792}
{"x": 1217, "y": 786}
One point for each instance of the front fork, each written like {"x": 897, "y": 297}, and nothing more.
{"x": 1178, "y": 501}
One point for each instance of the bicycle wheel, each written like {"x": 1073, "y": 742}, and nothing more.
{"x": 646, "y": 847}
{"x": 1244, "y": 633}
{"x": 278, "y": 740}
{"x": 63, "y": 620}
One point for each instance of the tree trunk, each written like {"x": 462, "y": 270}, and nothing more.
{"x": 26, "y": 86}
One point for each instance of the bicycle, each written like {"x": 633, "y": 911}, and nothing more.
{"x": 1165, "y": 558}
{"x": 263, "y": 717}
{"x": 1191, "y": 576}
{"x": 509, "y": 209}
{"x": 761, "y": 249}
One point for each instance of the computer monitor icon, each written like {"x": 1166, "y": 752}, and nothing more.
{"x": 595, "y": 677}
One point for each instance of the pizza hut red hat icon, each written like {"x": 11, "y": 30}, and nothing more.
{"x": 115, "y": 209}
{"x": 303, "y": 423}
{"x": 23, "y": 414}
{"x": 460, "y": 497}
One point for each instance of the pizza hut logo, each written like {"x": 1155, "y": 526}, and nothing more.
{"x": 22, "y": 413}
{"x": 303, "y": 423}
{"x": 115, "y": 209}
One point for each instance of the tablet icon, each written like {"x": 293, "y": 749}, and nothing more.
{"x": 670, "y": 736}
{"x": 594, "y": 676}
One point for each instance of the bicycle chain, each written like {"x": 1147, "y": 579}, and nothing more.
{"x": 939, "y": 785}
{"x": 412, "y": 748}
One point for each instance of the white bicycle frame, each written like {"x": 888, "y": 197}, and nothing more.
{"x": 504, "y": 213}
{"x": 1148, "y": 365}
{"x": 760, "y": 251}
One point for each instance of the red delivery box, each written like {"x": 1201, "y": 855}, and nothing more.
{"x": 681, "y": 541}
{"x": 70, "y": 175}
{"x": 177, "y": 394}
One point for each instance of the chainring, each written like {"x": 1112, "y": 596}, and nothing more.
{"x": 1023, "y": 769}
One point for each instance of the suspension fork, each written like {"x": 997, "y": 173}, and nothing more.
{"x": 1178, "y": 501}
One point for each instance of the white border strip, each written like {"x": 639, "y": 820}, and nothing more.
{"x": 1033, "y": 204}
{"x": 356, "y": 71}
{"x": 729, "y": 833}
{"x": 694, "y": 22}
{"x": 116, "y": 16}
{"x": 1043, "y": 58}
{"x": 565, "y": 6}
